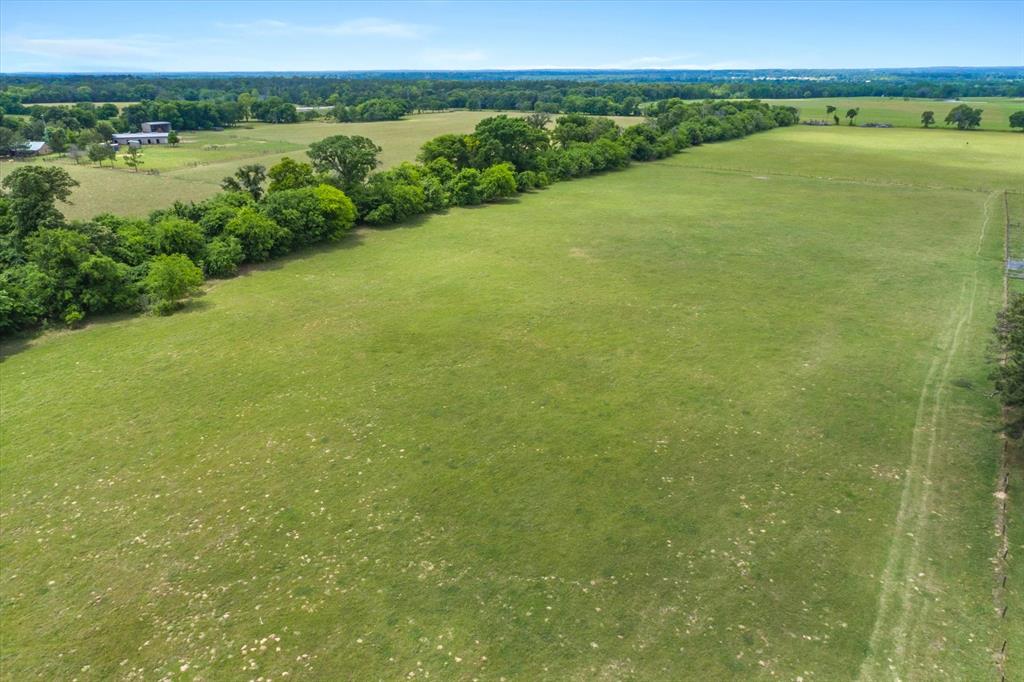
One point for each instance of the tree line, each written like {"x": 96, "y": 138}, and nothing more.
{"x": 598, "y": 93}
{"x": 54, "y": 271}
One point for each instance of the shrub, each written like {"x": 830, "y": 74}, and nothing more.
{"x": 259, "y": 235}
{"x": 464, "y": 188}
{"x": 171, "y": 278}
{"x": 497, "y": 182}
{"x": 177, "y": 235}
{"x": 223, "y": 256}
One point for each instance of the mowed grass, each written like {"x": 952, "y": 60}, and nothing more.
{"x": 193, "y": 170}
{"x": 685, "y": 421}
{"x": 906, "y": 113}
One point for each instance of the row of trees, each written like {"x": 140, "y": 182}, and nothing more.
{"x": 584, "y": 92}
{"x": 52, "y": 270}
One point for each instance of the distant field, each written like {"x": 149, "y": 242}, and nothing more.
{"x": 722, "y": 416}
{"x": 906, "y": 113}
{"x": 193, "y": 169}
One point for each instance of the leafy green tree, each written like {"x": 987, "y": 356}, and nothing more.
{"x": 928, "y": 118}
{"x": 10, "y": 140}
{"x": 348, "y": 159}
{"x": 835, "y": 117}
{"x": 259, "y": 235}
{"x": 32, "y": 193}
{"x": 829, "y": 110}
{"x": 456, "y": 149}
{"x": 1009, "y": 376}
{"x": 464, "y": 188}
{"x": 508, "y": 140}
{"x": 178, "y": 235}
{"x": 223, "y": 256}
{"x": 291, "y": 174}
{"x": 1017, "y": 120}
{"x": 852, "y": 114}
{"x": 171, "y": 278}
{"x": 248, "y": 178}
{"x": 964, "y": 117}
{"x": 106, "y": 111}
{"x": 106, "y": 285}
{"x": 173, "y": 139}
{"x": 58, "y": 140}
{"x": 497, "y": 182}
{"x": 245, "y": 101}
{"x": 104, "y": 130}
{"x": 100, "y": 152}
{"x": 133, "y": 158}
{"x": 538, "y": 119}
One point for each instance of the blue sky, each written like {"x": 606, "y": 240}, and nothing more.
{"x": 282, "y": 36}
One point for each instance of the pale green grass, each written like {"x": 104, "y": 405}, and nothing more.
{"x": 650, "y": 425}
{"x": 906, "y": 113}
{"x": 193, "y": 170}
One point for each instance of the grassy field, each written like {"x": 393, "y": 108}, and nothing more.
{"x": 193, "y": 170}
{"x": 720, "y": 416}
{"x": 906, "y": 113}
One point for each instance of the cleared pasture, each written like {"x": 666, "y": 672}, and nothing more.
{"x": 906, "y": 113}
{"x": 193, "y": 169}
{"x": 721, "y": 416}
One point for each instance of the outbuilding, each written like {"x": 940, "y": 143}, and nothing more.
{"x": 156, "y": 127}
{"x": 140, "y": 138}
{"x": 31, "y": 148}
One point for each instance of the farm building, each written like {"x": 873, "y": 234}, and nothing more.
{"x": 156, "y": 127}
{"x": 31, "y": 148}
{"x": 139, "y": 138}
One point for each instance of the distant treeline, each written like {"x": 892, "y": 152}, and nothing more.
{"x": 602, "y": 93}
{"x": 53, "y": 271}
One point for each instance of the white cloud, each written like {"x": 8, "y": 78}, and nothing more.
{"x": 367, "y": 26}
{"x": 100, "y": 50}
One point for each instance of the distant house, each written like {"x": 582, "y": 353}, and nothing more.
{"x": 31, "y": 148}
{"x": 156, "y": 127}
{"x": 138, "y": 139}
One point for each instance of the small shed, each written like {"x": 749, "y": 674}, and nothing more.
{"x": 156, "y": 127}
{"x": 32, "y": 148}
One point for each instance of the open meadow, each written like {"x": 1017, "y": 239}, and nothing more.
{"x": 906, "y": 112}
{"x": 724, "y": 415}
{"x": 193, "y": 170}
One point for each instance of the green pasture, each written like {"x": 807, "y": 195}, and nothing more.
{"x": 723, "y": 416}
{"x": 906, "y": 113}
{"x": 193, "y": 169}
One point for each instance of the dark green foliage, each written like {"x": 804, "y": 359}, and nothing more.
{"x": 1017, "y": 120}
{"x": 259, "y": 235}
{"x": 1009, "y": 376}
{"x": 32, "y": 193}
{"x": 275, "y": 110}
{"x": 928, "y": 118}
{"x": 464, "y": 188}
{"x": 348, "y": 159}
{"x": 501, "y": 139}
{"x": 456, "y": 149}
{"x": 223, "y": 256}
{"x": 171, "y": 279}
{"x": 177, "y": 235}
{"x": 964, "y": 117}
{"x": 249, "y": 178}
